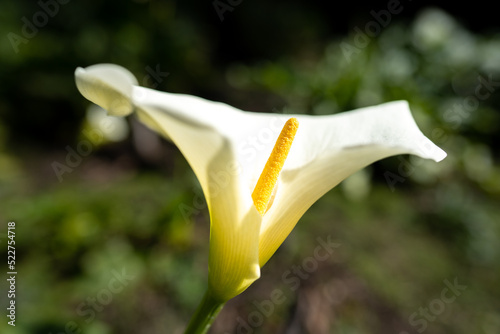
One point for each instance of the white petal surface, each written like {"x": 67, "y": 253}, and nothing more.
{"x": 200, "y": 130}
{"x": 234, "y": 221}
{"x": 108, "y": 85}
{"x": 327, "y": 150}
{"x": 228, "y": 148}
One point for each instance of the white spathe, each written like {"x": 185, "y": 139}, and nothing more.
{"x": 228, "y": 148}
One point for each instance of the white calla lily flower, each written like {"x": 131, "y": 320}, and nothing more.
{"x": 228, "y": 149}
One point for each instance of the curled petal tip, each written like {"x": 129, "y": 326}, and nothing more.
{"x": 110, "y": 86}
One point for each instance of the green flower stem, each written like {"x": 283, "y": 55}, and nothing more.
{"x": 205, "y": 315}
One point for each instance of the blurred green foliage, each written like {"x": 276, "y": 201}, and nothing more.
{"x": 126, "y": 208}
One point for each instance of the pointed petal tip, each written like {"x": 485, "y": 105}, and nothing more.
{"x": 440, "y": 155}
{"x": 428, "y": 150}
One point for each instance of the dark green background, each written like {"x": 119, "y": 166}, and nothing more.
{"x": 136, "y": 209}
